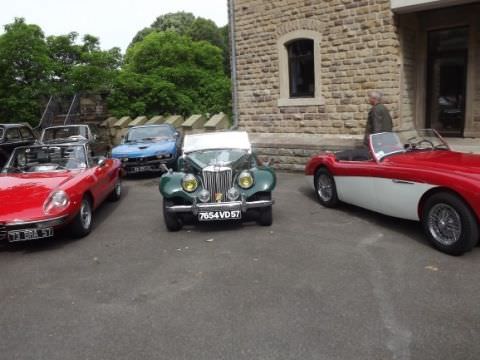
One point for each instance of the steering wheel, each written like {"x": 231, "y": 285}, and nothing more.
{"x": 428, "y": 142}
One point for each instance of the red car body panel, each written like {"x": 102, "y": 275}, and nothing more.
{"x": 458, "y": 172}
{"x": 23, "y": 195}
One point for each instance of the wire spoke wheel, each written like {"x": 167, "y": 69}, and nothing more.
{"x": 325, "y": 187}
{"x": 445, "y": 224}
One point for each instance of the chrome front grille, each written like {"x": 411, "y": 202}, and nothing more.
{"x": 217, "y": 179}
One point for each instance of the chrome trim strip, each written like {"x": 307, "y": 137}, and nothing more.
{"x": 22, "y": 222}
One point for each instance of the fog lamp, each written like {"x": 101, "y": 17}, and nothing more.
{"x": 233, "y": 194}
{"x": 204, "y": 196}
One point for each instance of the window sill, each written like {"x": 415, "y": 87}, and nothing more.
{"x": 301, "y": 102}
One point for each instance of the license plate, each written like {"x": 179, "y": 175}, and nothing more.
{"x": 137, "y": 169}
{"x": 29, "y": 234}
{"x": 219, "y": 215}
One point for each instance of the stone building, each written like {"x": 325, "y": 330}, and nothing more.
{"x": 305, "y": 66}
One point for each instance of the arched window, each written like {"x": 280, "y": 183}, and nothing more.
{"x": 301, "y": 68}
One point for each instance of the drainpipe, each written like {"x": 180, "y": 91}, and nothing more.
{"x": 233, "y": 63}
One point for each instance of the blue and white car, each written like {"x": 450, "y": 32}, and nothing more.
{"x": 148, "y": 148}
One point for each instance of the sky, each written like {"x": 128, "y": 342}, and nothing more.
{"x": 115, "y": 22}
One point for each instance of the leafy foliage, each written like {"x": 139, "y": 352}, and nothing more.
{"x": 32, "y": 68}
{"x": 187, "y": 24}
{"x": 170, "y": 73}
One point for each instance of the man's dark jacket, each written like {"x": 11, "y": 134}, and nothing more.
{"x": 379, "y": 120}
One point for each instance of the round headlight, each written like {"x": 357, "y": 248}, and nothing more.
{"x": 189, "y": 183}
{"x": 245, "y": 180}
{"x": 204, "y": 196}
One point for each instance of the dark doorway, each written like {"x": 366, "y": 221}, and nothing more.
{"x": 447, "y": 78}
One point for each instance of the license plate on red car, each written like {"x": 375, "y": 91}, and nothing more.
{"x": 219, "y": 215}
{"x": 137, "y": 169}
{"x": 29, "y": 234}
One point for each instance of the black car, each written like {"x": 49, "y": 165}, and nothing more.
{"x": 13, "y": 136}
{"x": 89, "y": 133}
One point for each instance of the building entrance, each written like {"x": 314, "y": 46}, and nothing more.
{"x": 446, "y": 80}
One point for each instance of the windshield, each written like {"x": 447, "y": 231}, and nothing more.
{"x": 216, "y": 157}
{"x": 389, "y": 143}
{"x": 72, "y": 133}
{"x": 149, "y": 133}
{"x": 47, "y": 158}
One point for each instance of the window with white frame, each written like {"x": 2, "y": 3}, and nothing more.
{"x": 299, "y": 61}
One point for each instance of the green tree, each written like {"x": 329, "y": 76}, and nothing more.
{"x": 168, "y": 72}
{"x": 25, "y": 70}
{"x": 187, "y": 24}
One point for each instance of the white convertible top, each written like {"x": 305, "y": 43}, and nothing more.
{"x": 216, "y": 140}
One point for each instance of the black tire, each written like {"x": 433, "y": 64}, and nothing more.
{"x": 265, "y": 217}
{"x": 172, "y": 221}
{"x": 82, "y": 223}
{"x": 116, "y": 194}
{"x": 449, "y": 223}
{"x": 325, "y": 188}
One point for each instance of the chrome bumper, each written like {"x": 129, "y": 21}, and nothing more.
{"x": 233, "y": 205}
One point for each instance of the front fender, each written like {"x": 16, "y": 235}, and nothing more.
{"x": 265, "y": 181}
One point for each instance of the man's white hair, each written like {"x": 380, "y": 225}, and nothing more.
{"x": 375, "y": 95}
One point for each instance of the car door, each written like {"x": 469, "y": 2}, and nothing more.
{"x": 397, "y": 192}
{"x": 105, "y": 175}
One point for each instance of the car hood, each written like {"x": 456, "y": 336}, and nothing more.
{"x": 449, "y": 161}
{"x": 22, "y": 195}
{"x": 142, "y": 149}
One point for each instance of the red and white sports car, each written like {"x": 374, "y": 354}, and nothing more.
{"x": 410, "y": 175}
{"x": 44, "y": 187}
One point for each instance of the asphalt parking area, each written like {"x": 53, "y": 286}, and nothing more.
{"x": 318, "y": 284}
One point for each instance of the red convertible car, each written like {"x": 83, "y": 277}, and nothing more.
{"x": 43, "y": 188}
{"x": 411, "y": 175}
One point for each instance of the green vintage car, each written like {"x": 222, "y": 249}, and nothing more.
{"x": 218, "y": 178}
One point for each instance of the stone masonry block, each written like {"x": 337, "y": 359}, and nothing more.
{"x": 217, "y": 122}
{"x": 174, "y": 120}
{"x": 123, "y": 122}
{"x": 159, "y": 119}
{"x": 140, "y": 120}
{"x": 194, "y": 122}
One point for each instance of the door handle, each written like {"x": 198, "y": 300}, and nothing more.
{"x": 396, "y": 181}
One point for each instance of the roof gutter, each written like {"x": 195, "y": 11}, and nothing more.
{"x": 233, "y": 63}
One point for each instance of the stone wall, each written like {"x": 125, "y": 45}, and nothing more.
{"x": 476, "y": 104}
{"x": 409, "y": 32}
{"x": 359, "y": 52}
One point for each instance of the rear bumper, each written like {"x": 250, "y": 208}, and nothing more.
{"x": 233, "y": 205}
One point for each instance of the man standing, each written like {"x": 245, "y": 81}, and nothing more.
{"x": 379, "y": 119}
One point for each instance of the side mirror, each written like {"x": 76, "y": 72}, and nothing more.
{"x": 177, "y": 134}
{"x": 101, "y": 161}
{"x": 95, "y": 137}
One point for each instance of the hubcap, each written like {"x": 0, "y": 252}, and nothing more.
{"x": 85, "y": 214}
{"x": 444, "y": 224}
{"x": 118, "y": 189}
{"x": 325, "y": 187}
